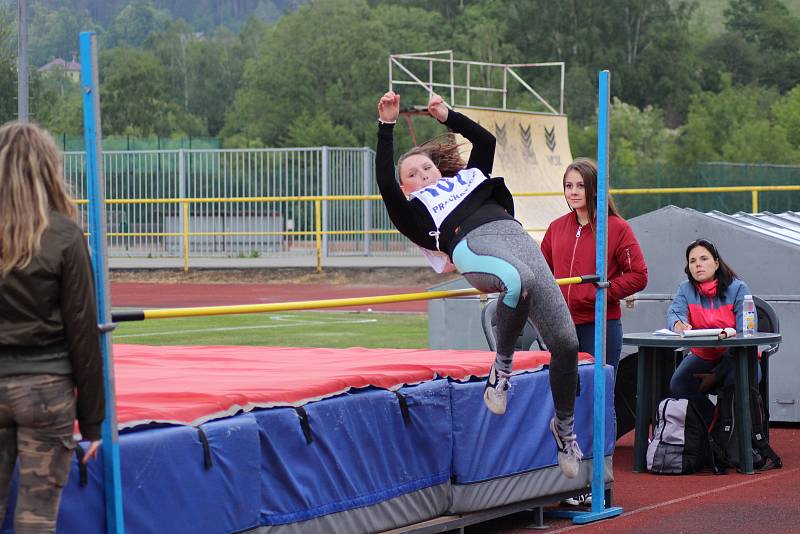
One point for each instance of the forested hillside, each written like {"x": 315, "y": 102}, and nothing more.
{"x": 692, "y": 82}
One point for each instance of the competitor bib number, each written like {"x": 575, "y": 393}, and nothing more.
{"x": 445, "y": 195}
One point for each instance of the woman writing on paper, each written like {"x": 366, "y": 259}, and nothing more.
{"x": 711, "y": 297}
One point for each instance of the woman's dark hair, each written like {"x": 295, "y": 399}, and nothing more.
{"x": 443, "y": 151}
{"x": 724, "y": 274}
{"x": 587, "y": 168}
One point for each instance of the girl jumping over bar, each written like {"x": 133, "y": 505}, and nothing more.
{"x": 464, "y": 219}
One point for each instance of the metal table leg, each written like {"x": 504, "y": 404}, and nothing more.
{"x": 644, "y": 374}
{"x": 742, "y": 358}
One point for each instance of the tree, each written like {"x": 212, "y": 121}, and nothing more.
{"x": 731, "y": 54}
{"x": 479, "y": 33}
{"x": 659, "y": 66}
{"x": 645, "y": 44}
{"x": 56, "y": 102}
{"x": 54, "y": 33}
{"x": 787, "y": 114}
{"x": 8, "y": 71}
{"x": 769, "y": 26}
{"x": 317, "y": 130}
{"x": 329, "y": 57}
{"x": 63, "y": 114}
{"x": 447, "y": 10}
{"x": 638, "y": 137}
{"x": 737, "y": 124}
{"x": 170, "y": 47}
{"x": 203, "y": 72}
{"x": 134, "y": 97}
{"x": 135, "y": 23}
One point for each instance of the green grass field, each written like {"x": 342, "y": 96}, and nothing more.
{"x": 287, "y": 329}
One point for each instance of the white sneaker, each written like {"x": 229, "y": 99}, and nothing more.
{"x": 569, "y": 453}
{"x": 580, "y": 500}
{"x": 495, "y": 393}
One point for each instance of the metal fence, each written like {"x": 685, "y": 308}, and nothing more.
{"x": 704, "y": 175}
{"x": 67, "y": 142}
{"x": 323, "y": 201}
{"x": 240, "y": 203}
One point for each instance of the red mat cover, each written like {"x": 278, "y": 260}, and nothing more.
{"x": 193, "y": 384}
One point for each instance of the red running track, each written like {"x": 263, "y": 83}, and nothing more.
{"x": 185, "y": 295}
{"x": 704, "y": 503}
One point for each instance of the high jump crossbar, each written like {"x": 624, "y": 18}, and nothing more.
{"x": 167, "y": 313}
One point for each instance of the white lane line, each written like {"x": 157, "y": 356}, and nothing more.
{"x": 254, "y": 327}
{"x": 761, "y": 477}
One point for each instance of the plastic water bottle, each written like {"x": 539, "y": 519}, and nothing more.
{"x": 748, "y": 316}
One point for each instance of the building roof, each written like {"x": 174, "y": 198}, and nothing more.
{"x": 58, "y": 63}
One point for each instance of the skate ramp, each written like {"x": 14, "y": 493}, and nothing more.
{"x": 532, "y": 154}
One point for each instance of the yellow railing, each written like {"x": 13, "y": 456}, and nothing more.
{"x": 318, "y": 232}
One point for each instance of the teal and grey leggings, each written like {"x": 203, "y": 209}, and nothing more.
{"x": 500, "y": 257}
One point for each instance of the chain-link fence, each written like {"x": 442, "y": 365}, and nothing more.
{"x": 243, "y": 202}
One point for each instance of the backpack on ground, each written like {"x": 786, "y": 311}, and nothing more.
{"x": 723, "y": 433}
{"x": 680, "y": 443}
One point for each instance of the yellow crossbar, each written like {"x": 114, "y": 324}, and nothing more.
{"x": 167, "y": 313}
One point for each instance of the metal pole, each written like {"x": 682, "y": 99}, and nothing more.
{"x": 318, "y": 233}
{"x": 322, "y": 217}
{"x": 97, "y": 240}
{"x": 452, "y": 82}
{"x": 468, "y": 84}
{"x": 184, "y": 218}
{"x": 367, "y": 165}
{"x": 599, "y": 510}
{"x": 22, "y": 61}
{"x": 598, "y": 482}
{"x": 505, "y": 86}
{"x": 430, "y": 79}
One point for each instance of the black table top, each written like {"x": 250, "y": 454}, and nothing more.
{"x": 649, "y": 339}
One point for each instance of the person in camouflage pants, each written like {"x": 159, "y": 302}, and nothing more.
{"x": 37, "y": 414}
{"x": 51, "y": 366}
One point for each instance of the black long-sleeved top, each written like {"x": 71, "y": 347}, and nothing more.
{"x": 48, "y": 319}
{"x": 490, "y": 201}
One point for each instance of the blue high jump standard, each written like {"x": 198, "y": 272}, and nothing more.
{"x": 599, "y": 510}
{"x": 90, "y": 88}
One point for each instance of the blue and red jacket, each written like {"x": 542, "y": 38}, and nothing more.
{"x": 700, "y": 311}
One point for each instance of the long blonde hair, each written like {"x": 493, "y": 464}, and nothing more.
{"x": 31, "y": 186}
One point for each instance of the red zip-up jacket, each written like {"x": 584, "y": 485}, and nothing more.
{"x": 569, "y": 249}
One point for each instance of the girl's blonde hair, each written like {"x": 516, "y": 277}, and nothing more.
{"x": 442, "y": 150}
{"x": 31, "y": 185}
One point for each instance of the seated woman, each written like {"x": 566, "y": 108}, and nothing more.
{"x": 711, "y": 298}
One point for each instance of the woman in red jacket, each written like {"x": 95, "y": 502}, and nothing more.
{"x": 569, "y": 249}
